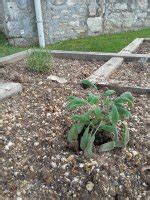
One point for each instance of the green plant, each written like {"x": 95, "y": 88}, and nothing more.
{"x": 39, "y": 61}
{"x": 107, "y": 114}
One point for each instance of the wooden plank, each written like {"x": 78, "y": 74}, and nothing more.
{"x": 109, "y": 67}
{"x": 121, "y": 89}
{"x": 78, "y": 55}
{"x": 133, "y": 46}
{"x": 89, "y": 56}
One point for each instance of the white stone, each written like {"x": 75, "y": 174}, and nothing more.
{"x": 8, "y": 145}
{"x": 19, "y": 198}
{"x": 89, "y": 186}
{"x": 56, "y": 78}
{"x": 36, "y": 144}
{"x": 8, "y": 89}
{"x": 95, "y": 24}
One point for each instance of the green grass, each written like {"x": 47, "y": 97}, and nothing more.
{"x": 100, "y": 43}
{"x": 6, "y": 48}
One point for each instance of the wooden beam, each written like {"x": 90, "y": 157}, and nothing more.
{"x": 120, "y": 89}
{"x": 77, "y": 55}
{"x": 109, "y": 67}
{"x": 89, "y": 56}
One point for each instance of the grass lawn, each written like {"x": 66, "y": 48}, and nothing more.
{"x": 6, "y": 48}
{"x": 100, "y": 43}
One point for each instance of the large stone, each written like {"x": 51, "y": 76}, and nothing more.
{"x": 9, "y": 89}
{"x": 95, "y": 24}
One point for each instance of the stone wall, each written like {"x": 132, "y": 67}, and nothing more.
{"x": 65, "y": 19}
{"x": 76, "y": 18}
{"x": 20, "y": 22}
{"x": 1, "y": 17}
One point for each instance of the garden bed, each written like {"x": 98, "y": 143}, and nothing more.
{"x": 37, "y": 162}
{"x": 131, "y": 74}
{"x": 144, "y": 48}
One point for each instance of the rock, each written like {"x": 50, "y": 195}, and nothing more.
{"x": 36, "y": 144}
{"x": 53, "y": 164}
{"x": 70, "y": 158}
{"x": 18, "y": 193}
{"x": 9, "y": 89}
{"x": 18, "y": 198}
{"x": 135, "y": 153}
{"x": 8, "y": 145}
{"x": 31, "y": 168}
{"x": 89, "y": 186}
{"x": 56, "y": 78}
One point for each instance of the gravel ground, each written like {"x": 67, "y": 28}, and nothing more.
{"x": 144, "y": 48}
{"x": 131, "y": 74}
{"x": 36, "y": 161}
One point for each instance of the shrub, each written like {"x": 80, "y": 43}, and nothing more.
{"x": 39, "y": 61}
{"x": 102, "y": 115}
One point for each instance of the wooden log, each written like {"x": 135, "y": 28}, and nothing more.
{"x": 77, "y": 55}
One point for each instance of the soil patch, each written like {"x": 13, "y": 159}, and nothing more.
{"x": 144, "y": 48}
{"x": 131, "y": 74}
{"x": 36, "y": 161}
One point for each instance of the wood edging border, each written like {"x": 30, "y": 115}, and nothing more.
{"x": 79, "y": 55}
{"x": 120, "y": 89}
{"x": 111, "y": 65}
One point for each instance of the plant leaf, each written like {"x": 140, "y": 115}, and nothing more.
{"x": 125, "y": 134}
{"x": 109, "y": 92}
{"x": 114, "y": 114}
{"x": 97, "y": 113}
{"x": 93, "y": 99}
{"x": 88, "y": 150}
{"x": 123, "y": 112}
{"x": 74, "y": 131}
{"x": 76, "y": 102}
{"x": 82, "y": 118}
{"x": 107, "y": 146}
{"x": 123, "y": 100}
{"x": 88, "y": 83}
{"x": 127, "y": 95}
{"x": 71, "y": 97}
{"x": 84, "y": 139}
{"x": 109, "y": 128}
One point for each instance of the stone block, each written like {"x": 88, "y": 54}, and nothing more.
{"x": 93, "y": 8}
{"x": 94, "y": 24}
